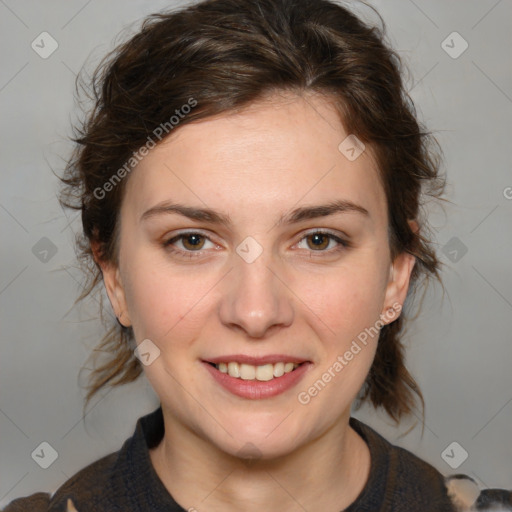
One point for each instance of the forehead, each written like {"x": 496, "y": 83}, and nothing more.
{"x": 275, "y": 154}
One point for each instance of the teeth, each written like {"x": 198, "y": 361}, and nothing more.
{"x": 278, "y": 369}
{"x": 265, "y": 372}
{"x": 250, "y": 372}
{"x": 234, "y": 369}
{"x": 247, "y": 372}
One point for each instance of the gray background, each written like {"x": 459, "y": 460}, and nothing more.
{"x": 460, "y": 348}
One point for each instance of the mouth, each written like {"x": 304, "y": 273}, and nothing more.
{"x": 257, "y": 378}
{"x": 262, "y": 373}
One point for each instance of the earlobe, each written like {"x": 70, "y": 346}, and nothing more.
{"x": 116, "y": 294}
{"x": 398, "y": 283}
{"x": 114, "y": 288}
{"x": 399, "y": 276}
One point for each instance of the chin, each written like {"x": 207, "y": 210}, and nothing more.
{"x": 264, "y": 443}
{"x": 252, "y": 452}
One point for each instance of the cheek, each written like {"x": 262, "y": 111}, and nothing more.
{"x": 161, "y": 300}
{"x": 347, "y": 300}
{"x": 344, "y": 312}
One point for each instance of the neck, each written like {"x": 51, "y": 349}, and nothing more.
{"x": 326, "y": 474}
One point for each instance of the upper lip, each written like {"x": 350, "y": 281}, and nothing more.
{"x": 256, "y": 361}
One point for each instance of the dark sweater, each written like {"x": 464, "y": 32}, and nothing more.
{"x": 125, "y": 481}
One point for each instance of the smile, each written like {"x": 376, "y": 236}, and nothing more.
{"x": 256, "y": 381}
{"x": 263, "y": 373}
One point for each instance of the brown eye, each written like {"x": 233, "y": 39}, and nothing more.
{"x": 318, "y": 241}
{"x": 193, "y": 241}
{"x": 187, "y": 243}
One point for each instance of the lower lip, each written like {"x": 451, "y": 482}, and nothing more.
{"x": 257, "y": 389}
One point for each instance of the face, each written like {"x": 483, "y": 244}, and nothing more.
{"x": 250, "y": 241}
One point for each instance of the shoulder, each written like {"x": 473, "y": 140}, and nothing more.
{"x": 463, "y": 492}
{"x": 405, "y": 480}
{"x": 417, "y": 481}
{"x": 398, "y": 479}
{"x": 38, "y": 502}
{"x": 89, "y": 485}
{"x": 118, "y": 482}
{"x": 467, "y": 495}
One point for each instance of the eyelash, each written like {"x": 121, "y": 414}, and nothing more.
{"x": 342, "y": 244}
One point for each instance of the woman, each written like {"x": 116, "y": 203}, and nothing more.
{"x": 249, "y": 182}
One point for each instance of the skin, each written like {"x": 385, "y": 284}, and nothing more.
{"x": 254, "y": 166}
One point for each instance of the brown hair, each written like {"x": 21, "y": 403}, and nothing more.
{"x": 225, "y": 55}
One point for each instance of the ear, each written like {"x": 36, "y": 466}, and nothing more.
{"x": 113, "y": 286}
{"x": 398, "y": 283}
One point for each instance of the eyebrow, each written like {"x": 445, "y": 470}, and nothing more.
{"x": 297, "y": 215}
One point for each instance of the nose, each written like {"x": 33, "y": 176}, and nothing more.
{"x": 256, "y": 300}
